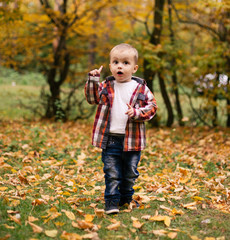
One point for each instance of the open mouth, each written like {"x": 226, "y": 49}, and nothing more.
{"x": 119, "y": 73}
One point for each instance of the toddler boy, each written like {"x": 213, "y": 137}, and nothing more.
{"x": 124, "y": 104}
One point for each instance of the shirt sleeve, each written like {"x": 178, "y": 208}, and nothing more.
{"x": 148, "y": 110}
{"x": 92, "y": 89}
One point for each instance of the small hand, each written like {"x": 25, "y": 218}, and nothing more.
{"x": 130, "y": 111}
{"x": 96, "y": 71}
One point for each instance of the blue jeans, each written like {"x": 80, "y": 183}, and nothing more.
{"x": 120, "y": 170}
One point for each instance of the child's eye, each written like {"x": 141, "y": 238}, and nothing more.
{"x": 115, "y": 62}
{"x": 126, "y": 62}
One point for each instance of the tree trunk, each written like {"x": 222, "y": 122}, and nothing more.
{"x": 149, "y": 74}
{"x": 174, "y": 75}
{"x": 166, "y": 100}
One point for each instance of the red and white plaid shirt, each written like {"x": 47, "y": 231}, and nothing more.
{"x": 142, "y": 100}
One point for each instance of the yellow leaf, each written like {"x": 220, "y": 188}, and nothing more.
{"x": 32, "y": 219}
{"x": 190, "y": 206}
{"x": 99, "y": 212}
{"x": 89, "y": 218}
{"x": 137, "y": 224}
{"x": 69, "y": 214}
{"x": 92, "y": 235}
{"x": 51, "y": 233}
{"x": 70, "y": 236}
{"x": 36, "y": 228}
{"x": 3, "y": 188}
{"x": 172, "y": 235}
{"x": 197, "y": 198}
{"x": 38, "y": 202}
{"x": 159, "y": 232}
{"x": 114, "y": 226}
{"x": 177, "y": 212}
{"x": 9, "y": 227}
{"x": 165, "y": 219}
{"x": 82, "y": 224}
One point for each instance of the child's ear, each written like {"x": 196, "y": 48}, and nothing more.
{"x": 135, "y": 68}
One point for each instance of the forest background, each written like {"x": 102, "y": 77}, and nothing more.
{"x": 183, "y": 48}
{"x": 51, "y": 177}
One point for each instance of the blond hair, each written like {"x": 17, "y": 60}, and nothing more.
{"x": 125, "y": 46}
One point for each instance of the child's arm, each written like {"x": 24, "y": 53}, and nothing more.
{"x": 93, "y": 86}
{"x": 146, "y": 111}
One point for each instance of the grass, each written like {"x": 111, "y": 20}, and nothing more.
{"x": 49, "y": 168}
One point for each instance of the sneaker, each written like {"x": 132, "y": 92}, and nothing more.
{"x": 111, "y": 207}
{"x": 126, "y": 202}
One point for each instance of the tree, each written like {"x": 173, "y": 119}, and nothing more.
{"x": 215, "y": 17}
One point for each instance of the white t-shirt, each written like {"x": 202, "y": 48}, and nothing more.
{"x": 122, "y": 95}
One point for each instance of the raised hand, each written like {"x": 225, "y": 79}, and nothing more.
{"x": 96, "y": 71}
{"x": 130, "y": 111}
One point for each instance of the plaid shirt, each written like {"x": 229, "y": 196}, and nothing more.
{"x": 142, "y": 100}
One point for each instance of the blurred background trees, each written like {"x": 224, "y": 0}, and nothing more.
{"x": 179, "y": 43}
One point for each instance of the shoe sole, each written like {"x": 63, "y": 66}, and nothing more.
{"x": 111, "y": 211}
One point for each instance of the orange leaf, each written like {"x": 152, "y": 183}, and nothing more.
{"x": 70, "y": 236}
{"x": 36, "y": 228}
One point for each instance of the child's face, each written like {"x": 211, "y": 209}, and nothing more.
{"x": 122, "y": 65}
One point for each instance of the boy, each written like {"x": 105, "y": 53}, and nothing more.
{"x": 124, "y": 103}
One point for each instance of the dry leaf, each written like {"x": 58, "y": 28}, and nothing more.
{"x": 89, "y": 218}
{"x": 70, "y": 236}
{"x": 69, "y": 214}
{"x": 165, "y": 219}
{"x": 5, "y": 237}
{"x": 172, "y": 235}
{"x": 51, "y": 233}
{"x": 9, "y": 227}
{"x": 190, "y": 206}
{"x": 38, "y": 202}
{"x": 36, "y": 228}
{"x": 15, "y": 219}
{"x": 32, "y": 219}
{"x": 92, "y": 235}
{"x": 82, "y": 224}
{"x": 137, "y": 224}
{"x": 99, "y": 212}
{"x": 159, "y": 232}
{"x": 114, "y": 226}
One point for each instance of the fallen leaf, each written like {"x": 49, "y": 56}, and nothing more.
{"x": 114, "y": 226}
{"x": 89, "y": 218}
{"x": 69, "y": 214}
{"x": 36, "y": 228}
{"x": 172, "y": 235}
{"x": 92, "y": 235}
{"x": 32, "y": 219}
{"x": 39, "y": 202}
{"x": 99, "y": 212}
{"x": 165, "y": 219}
{"x": 51, "y": 233}
{"x": 70, "y": 236}
{"x": 159, "y": 232}
{"x": 15, "y": 219}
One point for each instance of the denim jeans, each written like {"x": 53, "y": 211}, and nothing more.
{"x": 120, "y": 170}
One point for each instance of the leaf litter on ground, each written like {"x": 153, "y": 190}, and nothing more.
{"x": 52, "y": 183}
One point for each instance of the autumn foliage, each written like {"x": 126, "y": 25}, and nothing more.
{"x": 52, "y": 185}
